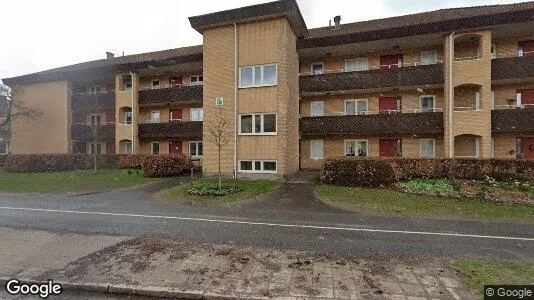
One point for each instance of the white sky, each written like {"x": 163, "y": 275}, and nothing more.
{"x": 42, "y": 34}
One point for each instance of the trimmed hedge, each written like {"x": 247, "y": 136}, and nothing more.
{"x": 131, "y": 161}
{"x": 28, "y": 163}
{"x": 166, "y": 165}
{"x": 3, "y": 158}
{"x": 361, "y": 172}
{"x": 334, "y": 169}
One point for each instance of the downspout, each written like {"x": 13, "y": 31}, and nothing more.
{"x": 451, "y": 94}
{"x": 236, "y": 77}
{"x": 133, "y": 112}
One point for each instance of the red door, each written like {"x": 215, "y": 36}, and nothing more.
{"x": 388, "y": 105}
{"x": 390, "y": 61}
{"x": 175, "y": 147}
{"x": 527, "y": 98}
{"x": 175, "y": 80}
{"x": 528, "y": 48}
{"x": 527, "y": 148}
{"x": 387, "y": 147}
{"x": 110, "y": 148}
{"x": 175, "y": 115}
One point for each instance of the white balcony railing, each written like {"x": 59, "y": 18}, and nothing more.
{"x": 373, "y": 67}
{"x": 368, "y": 112}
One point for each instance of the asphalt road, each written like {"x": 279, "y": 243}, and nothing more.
{"x": 132, "y": 213}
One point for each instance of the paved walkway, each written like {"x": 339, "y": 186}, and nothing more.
{"x": 219, "y": 269}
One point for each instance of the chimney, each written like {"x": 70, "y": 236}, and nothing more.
{"x": 110, "y": 55}
{"x": 337, "y": 21}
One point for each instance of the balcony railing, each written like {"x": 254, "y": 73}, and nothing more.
{"x": 379, "y": 112}
{"x": 512, "y": 120}
{"x": 179, "y": 130}
{"x": 89, "y": 101}
{"x": 176, "y": 93}
{"x": 84, "y": 132}
{"x": 373, "y": 125}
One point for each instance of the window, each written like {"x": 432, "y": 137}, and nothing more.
{"x": 155, "y": 116}
{"x": 317, "y": 108}
{"x": 95, "y": 119}
{"x": 95, "y": 148}
{"x": 520, "y": 50}
{"x": 356, "y": 147}
{"x": 317, "y": 68}
{"x": 429, "y": 57}
{"x": 493, "y": 51}
{"x": 255, "y": 76}
{"x": 197, "y": 80}
{"x": 356, "y": 107}
{"x": 357, "y": 64}
{"x": 197, "y": 114}
{"x": 128, "y": 148}
{"x": 128, "y": 117}
{"x": 155, "y": 147}
{"x": 257, "y": 166}
{"x": 477, "y": 101}
{"x": 95, "y": 89}
{"x": 257, "y": 124}
{"x": 4, "y": 147}
{"x": 316, "y": 151}
{"x": 427, "y": 103}
{"x": 155, "y": 84}
{"x": 428, "y": 148}
{"x": 127, "y": 82}
{"x": 195, "y": 148}
{"x": 518, "y": 147}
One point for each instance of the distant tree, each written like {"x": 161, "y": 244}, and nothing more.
{"x": 12, "y": 108}
{"x": 218, "y": 131}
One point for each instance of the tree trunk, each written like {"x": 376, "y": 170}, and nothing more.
{"x": 95, "y": 161}
{"x": 219, "y": 162}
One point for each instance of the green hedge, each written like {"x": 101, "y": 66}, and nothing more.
{"x": 361, "y": 172}
{"x": 27, "y": 163}
{"x": 166, "y": 165}
{"x": 3, "y": 158}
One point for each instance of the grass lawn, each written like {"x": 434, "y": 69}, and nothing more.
{"x": 478, "y": 273}
{"x": 388, "y": 201}
{"x": 70, "y": 181}
{"x": 249, "y": 189}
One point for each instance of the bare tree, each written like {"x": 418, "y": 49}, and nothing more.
{"x": 11, "y": 108}
{"x": 218, "y": 131}
{"x": 98, "y": 129}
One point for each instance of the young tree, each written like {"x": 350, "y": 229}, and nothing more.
{"x": 98, "y": 129}
{"x": 218, "y": 131}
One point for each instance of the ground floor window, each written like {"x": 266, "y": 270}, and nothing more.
{"x": 95, "y": 148}
{"x": 356, "y": 147}
{"x": 128, "y": 148}
{"x": 428, "y": 148}
{"x": 316, "y": 151}
{"x": 4, "y": 147}
{"x": 257, "y": 166}
{"x": 195, "y": 148}
{"x": 155, "y": 147}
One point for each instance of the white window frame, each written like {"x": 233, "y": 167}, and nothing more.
{"x": 435, "y": 55}
{"x": 154, "y": 87}
{"x": 200, "y": 113}
{"x": 196, "y": 143}
{"x": 493, "y": 51}
{"x": 421, "y": 152}
{"x": 356, "y": 112}
{"x": 366, "y": 59}
{"x": 478, "y": 103}
{"x": 5, "y": 142}
{"x": 152, "y": 148}
{"x": 312, "y": 106}
{"x": 518, "y": 99}
{"x": 316, "y": 64}
{"x": 356, "y": 141}
{"x": 254, "y": 84}
{"x": 427, "y": 96}
{"x": 254, "y": 166}
{"x": 321, "y": 142}
{"x": 197, "y": 81}
{"x": 262, "y": 124}
{"x": 126, "y": 147}
{"x": 520, "y": 51}
{"x": 171, "y": 117}
{"x": 152, "y": 120}
{"x": 97, "y": 89}
{"x": 96, "y": 145}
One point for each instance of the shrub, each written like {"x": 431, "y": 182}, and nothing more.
{"x": 360, "y": 172}
{"x": 212, "y": 189}
{"x": 131, "y": 161}
{"x": 3, "y": 158}
{"x": 46, "y": 162}
{"x": 166, "y": 165}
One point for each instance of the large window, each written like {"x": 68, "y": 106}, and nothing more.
{"x": 356, "y": 147}
{"x": 317, "y": 68}
{"x": 256, "y": 76}
{"x": 197, "y": 114}
{"x": 429, "y": 57}
{"x": 317, "y": 108}
{"x": 95, "y": 148}
{"x": 316, "y": 149}
{"x": 128, "y": 148}
{"x": 356, "y": 64}
{"x": 356, "y": 107}
{"x": 257, "y": 166}
{"x": 257, "y": 124}
{"x": 197, "y": 80}
{"x": 428, "y": 148}
{"x": 4, "y": 147}
{"x": 195, "y": 148}
{"x": 155, "y": 116}
{"x": 427, "y": 103}
{"x": 155, "y": 148}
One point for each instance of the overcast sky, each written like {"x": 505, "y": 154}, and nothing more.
{"x": 42, "y": 34}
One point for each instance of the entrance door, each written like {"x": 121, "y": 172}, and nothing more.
{"x": 175, "y": 147}
{"x": 527, "y": 98}
{"x": 175, "y": 115}
{"x": 527, "y": 147}
{"x": 390, "y": 61}
{"x": 175, "y": 80}
{"x": 527, "y": 47}
{"x": 389, "y": 105}
{"x": 387, "y": 147}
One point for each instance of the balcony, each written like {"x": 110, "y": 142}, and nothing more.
{"x": 92, "y": 101}
{"x": 512, "y": 120}
{"x": 373, "y": 125}
{"x": 179, "y": 130}
{"x": 171, "y": 94}
{"x": 84, "y": 132}
{"x": 421, "y": 75}
{"x": 516, "y": 67}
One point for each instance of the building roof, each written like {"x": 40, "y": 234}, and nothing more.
{"x": 281, "y": 8}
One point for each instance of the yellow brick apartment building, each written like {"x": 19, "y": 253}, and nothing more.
{"x": 447, "y": 83}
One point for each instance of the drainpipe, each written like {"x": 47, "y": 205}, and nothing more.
{"x": 133, "y": 111}
{"x": 236, "y": 77}
{"x": 451, "y": 93}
